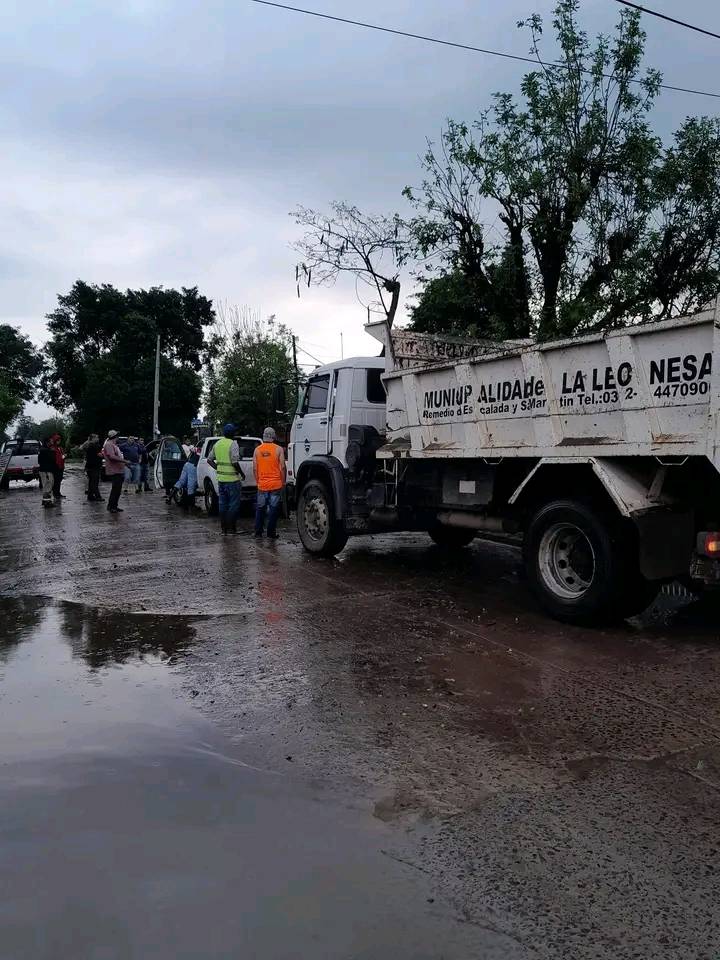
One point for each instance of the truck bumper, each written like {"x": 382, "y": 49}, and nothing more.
{"x": 705, "y": 569}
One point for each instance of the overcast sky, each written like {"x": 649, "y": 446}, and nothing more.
{"x": 164, "y": 142}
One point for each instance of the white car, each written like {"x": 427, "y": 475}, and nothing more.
{"x": 207, "y": 477}
{"x": 23, "y": 463}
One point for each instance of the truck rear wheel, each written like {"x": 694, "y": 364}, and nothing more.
{"x": 451, "y": 537}
{"x": 320, "y": 531}
{"x": 582, "y": 564}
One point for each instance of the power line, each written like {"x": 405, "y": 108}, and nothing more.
{"x": 452, "y": 43}
{"x": 664, "y": 16}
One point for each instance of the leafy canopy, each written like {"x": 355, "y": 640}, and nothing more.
{"x": 564, "y": 213}
{"x": 101, "y": 356}
{"x": 20, "y": 367}
{"x": 253, "y": 356}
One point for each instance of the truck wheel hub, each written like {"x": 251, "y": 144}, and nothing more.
{"x": 315, "y": 518}
{"x": 566, "y": 561}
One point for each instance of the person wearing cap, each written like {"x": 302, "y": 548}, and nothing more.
{"x": 114, "y": 469}
{"x": 225, "y": 459}
{"x": 270, "y": 474}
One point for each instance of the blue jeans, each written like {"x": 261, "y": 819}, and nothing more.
{"x": 132, "y": 473}
{"x": 229, "y": 500}
{"x": 270, "y": 500}
{"x": 188, "y": 479}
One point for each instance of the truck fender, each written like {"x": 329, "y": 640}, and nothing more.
{"x": 665, "y": 529}
{"x": 330, "y": 471}
{"x": 628, "y": 491}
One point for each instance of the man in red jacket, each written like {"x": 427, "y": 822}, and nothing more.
{"x": 55, "y": 444}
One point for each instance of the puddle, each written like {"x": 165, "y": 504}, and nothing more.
{"x": 131, "y": 828}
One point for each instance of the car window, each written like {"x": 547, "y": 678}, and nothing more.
{"x": 375, "y": 389}
{"x": 247, "y": 447}
{"x": 316, "y": 395}
{"x": 209, "y": 448}
{"x": 25, "y": 447}
{"x": 172, "y": 450}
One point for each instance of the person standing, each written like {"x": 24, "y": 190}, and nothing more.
{"x": 59, "y": 470}
{"x": 226, "y": 460}
{"x": 46, "y": 464}
{"x": 144, "y": 466}
{"x": 115, "y": 470}
{"x": 93, "y": 464}
{"x": 132, "y": 452}
{"x": 270, "y": 475}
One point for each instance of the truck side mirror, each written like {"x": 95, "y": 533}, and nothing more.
{"x": 279, "y": 400}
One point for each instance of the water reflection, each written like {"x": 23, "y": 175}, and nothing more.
{"x": 99, "y": 637}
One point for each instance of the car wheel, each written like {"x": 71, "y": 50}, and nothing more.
{"x": 582, "y": 564}
{"x": 320, "y": 531}
{"x": 212, "y": 507}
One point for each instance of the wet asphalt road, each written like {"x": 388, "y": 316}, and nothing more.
{"x": 223, "y": 748}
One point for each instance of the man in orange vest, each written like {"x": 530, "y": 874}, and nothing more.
{"x": 270, "y": 475}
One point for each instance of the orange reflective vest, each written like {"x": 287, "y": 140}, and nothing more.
{"x": 268, "y": 472}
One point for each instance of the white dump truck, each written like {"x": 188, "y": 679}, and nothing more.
{"x": 603, "y": 452}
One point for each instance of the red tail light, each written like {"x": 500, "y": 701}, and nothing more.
{"x": 709, "y": 544}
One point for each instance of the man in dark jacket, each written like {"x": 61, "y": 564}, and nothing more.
{"x": 132, "y": 451}
{"x": 46, "y": 464}
{"x": 93, "y": 464}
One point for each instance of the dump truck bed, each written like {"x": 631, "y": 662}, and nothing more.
{"x": 647, "y": 390}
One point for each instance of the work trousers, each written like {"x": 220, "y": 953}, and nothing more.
{"x": 47, "y": 480}
{"x": 229, "y": 501}
{"x": 93, "y": 484}
{"x": 267, "y": 500}
{"x": 57, "y": 480}
{"x": 116, "y": 481}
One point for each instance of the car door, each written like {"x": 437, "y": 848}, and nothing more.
{"x": 311, "y": 426}
{"x": 168, "y": 462}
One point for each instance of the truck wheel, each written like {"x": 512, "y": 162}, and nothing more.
{"x": 319, "y": 529}
{"x": 582, "y": 564}
{"x": 451, "y": 537}
{"x": 211, "y": 500}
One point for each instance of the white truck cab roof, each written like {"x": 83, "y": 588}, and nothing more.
{"x": 361, "y": 363}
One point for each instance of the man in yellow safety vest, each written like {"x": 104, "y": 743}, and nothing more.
{"x": 226, "y": 460}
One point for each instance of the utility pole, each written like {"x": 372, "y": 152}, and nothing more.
{"x": 342, "y": 349}
{"x": 295, "y": 368}
{"x": 156, "y": 398}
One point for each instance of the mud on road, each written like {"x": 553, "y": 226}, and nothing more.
{"x": 477, "y": 780}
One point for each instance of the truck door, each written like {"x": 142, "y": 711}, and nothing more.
{"x": 312, "y": 437}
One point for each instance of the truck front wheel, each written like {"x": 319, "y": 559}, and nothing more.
{"x": 582, "y": 564}
{"x": 320, "y": 530}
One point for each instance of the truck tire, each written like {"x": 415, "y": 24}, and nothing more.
{"x": 212, "y": 506}
{"x": 319, "y": 529}
{"x": 582, "y": 564}
{"x": 451, "y": 537}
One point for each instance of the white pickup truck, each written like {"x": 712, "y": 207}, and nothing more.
{"x": 603, "y": 452}
{"x": 23, "y": 463}
{"x": 207, "y": 476}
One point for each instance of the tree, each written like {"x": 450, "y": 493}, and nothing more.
{"x": 20, "y": 367}
{"x": 49, "y": 426}
{"x": 597, "y": 224}
{"x": 253, "y": 356}
{"x": 369, "y": 248}
{"x": 101, "y": 356}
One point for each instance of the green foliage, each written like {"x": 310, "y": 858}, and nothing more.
{"x": 46, "y": 428}
{"x": 20, "y": 367}
{"x": 252, "y": 357}
{"x": 101, "y": 357}
{"x": 594, "y": 223}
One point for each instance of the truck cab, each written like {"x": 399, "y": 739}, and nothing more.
{"x": 340, "y": 422}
